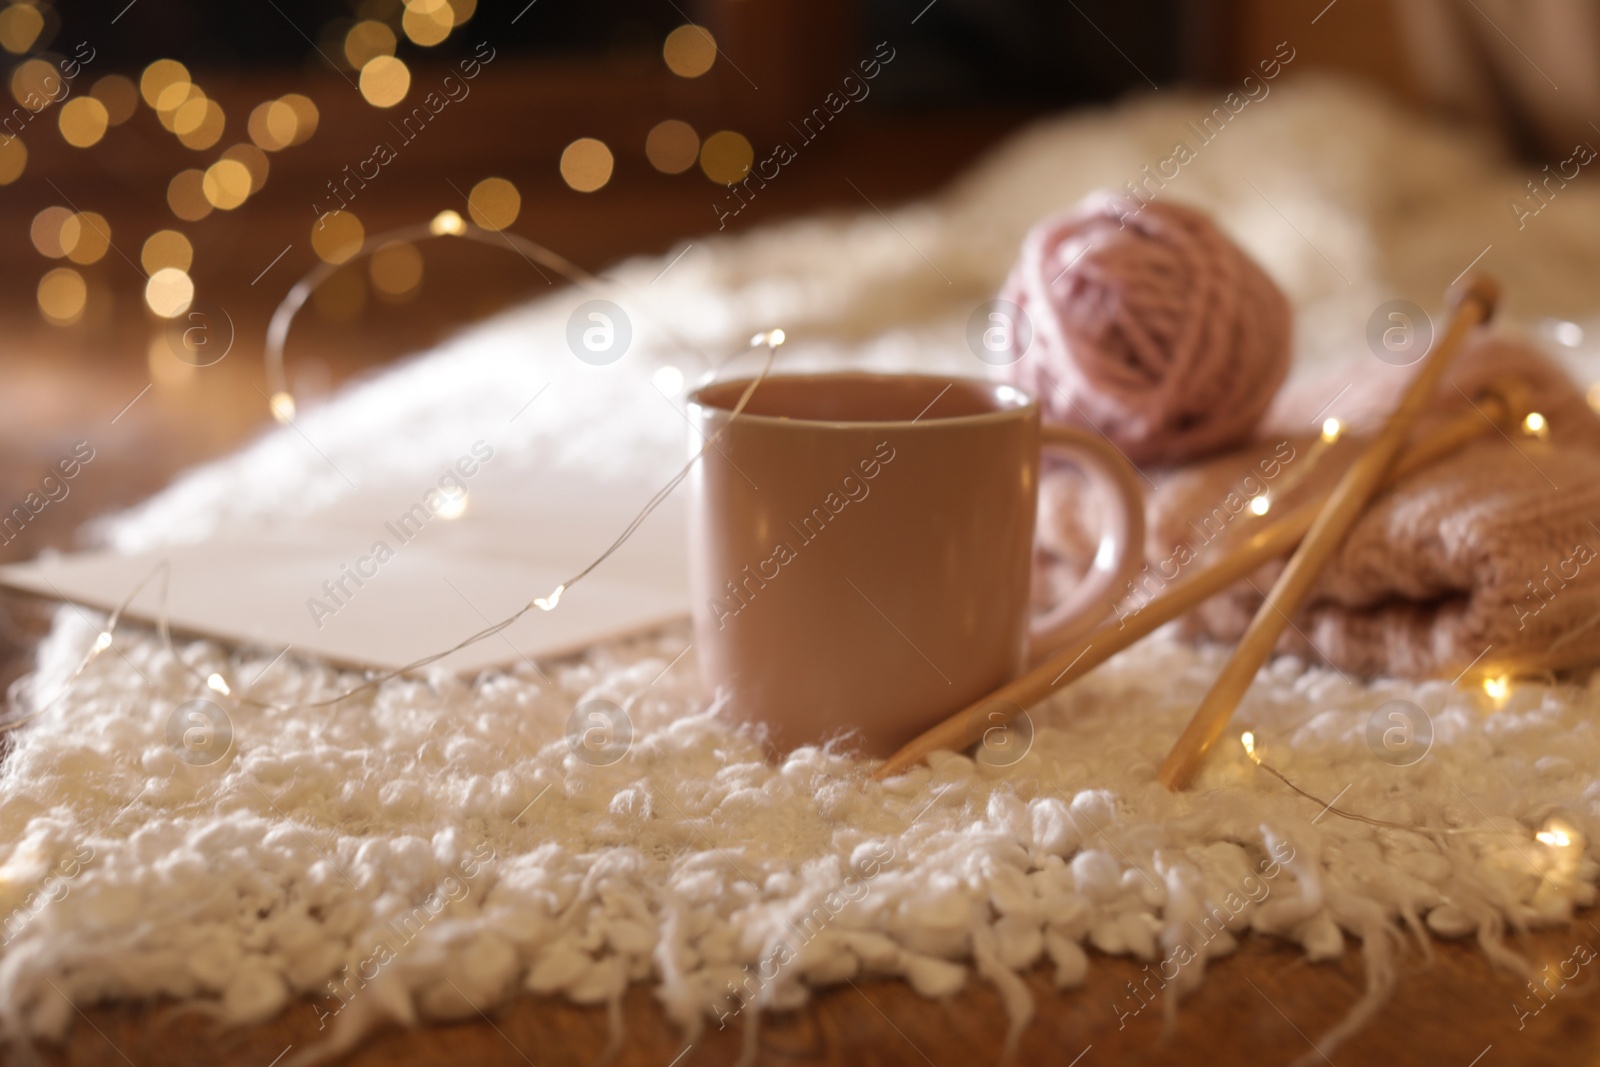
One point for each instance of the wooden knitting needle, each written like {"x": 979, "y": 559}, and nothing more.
{"x": 1471, "y": 306}
{"x": 1502, "y": 407}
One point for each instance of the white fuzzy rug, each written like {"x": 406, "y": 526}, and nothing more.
{"x": 435, "y": 847}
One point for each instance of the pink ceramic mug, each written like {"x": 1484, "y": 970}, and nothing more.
{"x": 861, "y": 549}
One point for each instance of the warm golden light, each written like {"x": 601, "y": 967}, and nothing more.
{"x": 19, "y": 27}
{"x": 166, "y": 248}
{"x": 62, "y": 296}
{"x": 199, "y": 124}
{"x": 1497, "y": 688}
{"x": 282, "y": 407}
{"x": 83, "y": 121}
{"x": 494, "y": 203}
{"x": 35, "y": 83}
{"x": 1331, "y": 429}
{"x": 396, "y": 268}
{"x": 86, "y": 236}
{"x": 254, "y": 160}
{"x": 305, "y": 114}
{"x": 367, "y": 40}
{"x": 586, "y": 164}
{"x": 13, "y": 159}
{"x": 226, "y": 184}
{"x": 1557, "y": 838}
{"x": 1535, "y": 425}
{"x": 119, "y": 95}
{"x": 1248, "y": 740}
{"x": 1260, "y": 505}
{"x": 272, "y": 125}
{"x": 672, "y": 146}
{"x": 169, "y": 292}
{"x": 726, "y": 157}
{"x": 45, "y": 231}
{"x": 447, "y": 222}
{"x": 463, "y": 10}
{"x": 172, "y": 98}
{"x": 385, "y": 81}
{"x": 337, "y": 236}
{"x": 216, "y": 683}
{"x": 158, "y": 76}
{"x": 186, "y": 195}
{"x": 689, "y": 51}
{"x": 548, "y": 603}
{"x": 427, "y": 22}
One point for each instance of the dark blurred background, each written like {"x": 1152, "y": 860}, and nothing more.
{"x": 156, "y": 149}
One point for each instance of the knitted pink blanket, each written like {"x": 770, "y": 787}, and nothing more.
{"x": 1489, "y": 558}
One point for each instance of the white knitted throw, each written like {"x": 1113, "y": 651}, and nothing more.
{"x": 435, "y": 847}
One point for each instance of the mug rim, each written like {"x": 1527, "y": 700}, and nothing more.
{"x": 999, "y": 390}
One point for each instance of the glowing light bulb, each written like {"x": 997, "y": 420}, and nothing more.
{"x": 282, "y": 405}
{"x": 101, "y": 643}
{"x": 1555, "y": 836}
{"x": 548, "y": 603}
{"x": 776, "y": 338}
{"x": 1260, "y": 505}
{"x": 1535, "y": 425}
{"x": 447, "y": 222}
{"x": 669, "y": 380}
{"x": 454, "y": 506}
{"x": 1331, "y": 429}
{"x": 1498, "y": 688}
{"x": 1248, "y": 740}
{"x": 218, "y": 684}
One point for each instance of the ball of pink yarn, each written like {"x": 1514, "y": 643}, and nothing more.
{"x": 1148, "y": 325}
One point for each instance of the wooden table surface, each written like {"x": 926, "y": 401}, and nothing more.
{"x": 1263, "y": 1006}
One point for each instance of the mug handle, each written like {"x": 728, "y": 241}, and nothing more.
{"x": 1121, "y": 552}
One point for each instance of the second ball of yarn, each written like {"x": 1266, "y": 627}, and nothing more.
{"x": 1149, "y": 325}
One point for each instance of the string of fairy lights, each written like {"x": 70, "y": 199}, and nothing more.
{"x": 366, "y": 44}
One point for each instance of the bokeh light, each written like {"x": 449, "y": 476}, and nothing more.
{"x": 254, "y": 160}
{"x": 19, "y": 27}
{"x": 689, "y": 51}
{"x": 672, "y": 146}
{"x": 120, "y": 97}
{"x": 272, "y": 125}
{"x": 34, "y": 83}
{"x": 586, "y": 164}
{"x": 726, "y": 157}
{"x": 159, "y": 76}
{"x": 367, "y": 40}
{"x": 494, "y": 203}
{"x": 169, "y": 292}
{"x": 199, "y": 123}
{"x": 226, "y": 184}
{"x": 166, "y": 248}
{"x": 396, "y": 269}
{"x": 385, "y": 81}
{"x": 62, "y": 296}
{"x": 86, "y": 236}
{"x": 337, "y": 236}
{"x": 186, "y": 195}
{"x": 447, "y": 222}
{"x": 427, "y": 22}
{"x": 45, "y": 231}
{"x": 305, "y": 116}
{"x": 83, "y": 121}
{"x": 13, "y": 159}
{"x": 463, "y": 10}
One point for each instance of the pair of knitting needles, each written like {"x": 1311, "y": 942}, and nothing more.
{"x": 1317, "y": 526}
